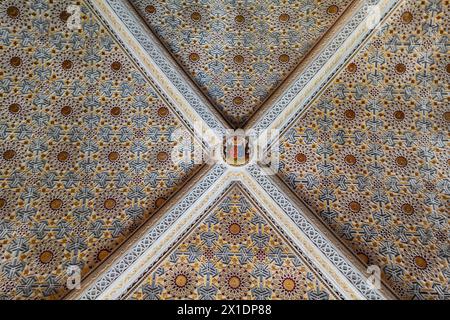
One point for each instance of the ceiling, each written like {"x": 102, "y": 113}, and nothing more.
{"x": 238, "y": 52}
{"x": 87, "y": 122}
{"x": 235, "y": 252}
{"x": 371, "y": 155}
{"x": 86, "y": 143}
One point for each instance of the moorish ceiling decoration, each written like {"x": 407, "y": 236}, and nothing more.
{"x": 234, "y": 253}
{"x": 371, "y": 156}
{"x": 238, "y": 52}
{"x": 85, "y": 151}
{"x": 90, "y": 119}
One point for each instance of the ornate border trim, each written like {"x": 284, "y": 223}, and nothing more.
{"x": 103, "y": 282}
{"x": 238, "y": 184}
{"x": 140, "y": 32}
{"x": 314, "y": 69}
{"x": 319, "y": 240}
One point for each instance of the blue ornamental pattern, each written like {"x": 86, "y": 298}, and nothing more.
{"x": 371, "y": 155}
{"x": 238, "y": 52}
{"x": 235, "y": 252}
{"x": 85, "y": 148}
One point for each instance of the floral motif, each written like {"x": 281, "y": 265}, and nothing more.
{"x": 298, "y": 158}
{"x": 234, "y": 282}
{"x": 289, "y": 284}
{"x": 409, "y": 210}
{"x": 181, "y": 281}
{"x": 16, "y": 62}
{"x": 14, "y": 109}
{"x": 11, "y": 155}
{"x": 354, "y": 207}
{"x": 55, "y": 205}
{"x": 110, "y": 204}
{"x": 63, "y": 157}
{"x": 381, "y": 139}
{"x": 67, "y": 111}
{"x": 419, "y": 262}
{"x": 47, "y": 257}
{"x": 399, "y": 116}
{"x": 68, "y": 65}
{"x": 400, "y": 68}
{"x": 116, "y": 66}
{"x": 14, "y": 13}
{"x": 234, "y": 229}
{"x": 229, "y": 46}
{"x": 163, "y": 116}
{"x": 8, "y": 202}
{"x": 113, "y": 157}
{"x": 233, "y": 252}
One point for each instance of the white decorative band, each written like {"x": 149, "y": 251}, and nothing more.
{"x": 319, "y": 240}
{"x": 102, "y": 283}
{"x": 139, "y": 31}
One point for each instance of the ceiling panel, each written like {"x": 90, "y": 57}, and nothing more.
{"x": 235, "y": 252}
{"x": 371, "y": 155}
{"x": 238, "y": 52}
{"x": 85, "y": 156}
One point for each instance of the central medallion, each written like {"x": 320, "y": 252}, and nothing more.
{"x": 236, "y": 149}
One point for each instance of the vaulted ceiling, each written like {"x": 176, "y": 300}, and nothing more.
{"x": 239, "y": 52}
{"x": 86, "y": 144}
{"x": 234, "y": 252}
{"x": 88, "y": 122}
{"x": 371, "y": 155}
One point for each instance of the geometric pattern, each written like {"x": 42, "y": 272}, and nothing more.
{"x": 238, "y": 52}
{"x": 85, "y": 151}
{"x": 87, "y": 129}
{"x": 235, "y": 252}
{"x": 371, "y": 155}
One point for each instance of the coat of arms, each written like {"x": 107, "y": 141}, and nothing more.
{"x": 236, "y": 149}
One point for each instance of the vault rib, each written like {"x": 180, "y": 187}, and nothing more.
{"x": 315, "y": 51}
{"x": 297, "y": 96}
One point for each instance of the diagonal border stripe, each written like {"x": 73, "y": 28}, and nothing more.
{"x": 138, "y": 249}
{"x": 319, "y": 240}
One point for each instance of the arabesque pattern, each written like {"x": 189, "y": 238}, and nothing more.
{"x": 371, "y": 156}
{"x": 85, "y": 156}
{"x": 235, "y": 252}
{"x": 238, "y": 52}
